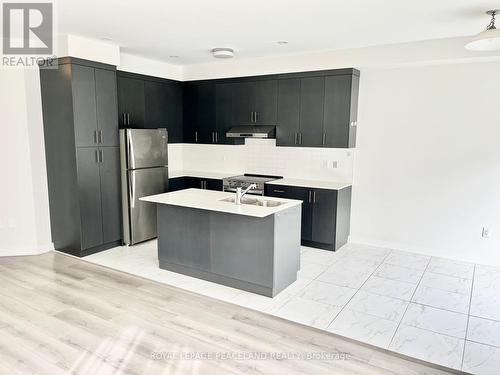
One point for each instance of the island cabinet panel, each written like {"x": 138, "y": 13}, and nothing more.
{"x": 325, "y": 214}
{"x": 83, "y": 170}
{"x": 235, "y": 235}
{"x": 256, "y": 254}
{"x": 190, "y": 246}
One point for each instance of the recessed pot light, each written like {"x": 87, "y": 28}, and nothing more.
{"x": 223, "y": 53}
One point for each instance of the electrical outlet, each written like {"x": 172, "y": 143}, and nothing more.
{"x": 486, "y": 232}
{"x": 333, "y": 164}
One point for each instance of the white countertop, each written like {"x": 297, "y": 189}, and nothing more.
{"x": 315, "y": 184}
{"x": 200, "y": 174}
{"x": 211, "y": 200}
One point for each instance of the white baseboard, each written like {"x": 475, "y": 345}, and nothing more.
{"x": 27, "y": 251}
{"x": 435, "y": 252}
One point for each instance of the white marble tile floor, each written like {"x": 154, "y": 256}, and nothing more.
{"x": 438, "y": 310}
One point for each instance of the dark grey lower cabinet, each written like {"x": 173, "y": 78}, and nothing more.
{"x": 110, "y": 194}
{"x": 325, "y": 214}
{"x": 89, "y": 196}
{"x": 180, "y": 183}
{"x": 99, "y": 196}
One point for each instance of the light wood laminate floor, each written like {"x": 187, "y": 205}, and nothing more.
{"x": 59, "y": 314}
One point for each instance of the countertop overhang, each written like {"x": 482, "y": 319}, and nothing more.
{"x": 212, "y": 201}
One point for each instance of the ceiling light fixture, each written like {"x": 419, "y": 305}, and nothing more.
{"x": 489, "y": 39}
{"x": 223, "y": 53}
{"x": 174, "y": 56}
{"x": 282, "y": 42}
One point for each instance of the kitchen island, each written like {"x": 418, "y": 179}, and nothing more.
{"x": 254, "y": 246}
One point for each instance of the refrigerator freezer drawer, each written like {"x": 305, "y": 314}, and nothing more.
{"x": 141, "y": 216}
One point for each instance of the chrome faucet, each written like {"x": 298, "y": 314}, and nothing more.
{"x": 240, "y": 193}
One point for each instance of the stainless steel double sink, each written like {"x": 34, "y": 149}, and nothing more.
{"x": 254, "y": 202}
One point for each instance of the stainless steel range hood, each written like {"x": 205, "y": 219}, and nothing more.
{"x": 250, "y": 131}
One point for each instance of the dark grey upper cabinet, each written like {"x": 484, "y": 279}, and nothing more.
{"x": 287, "y": 128}
{"x": 243, "y": 103}
{"x": 174, "y": 112}
{"x": 84, "y": 105}
{"x": 189, "y": 102}
{"x": 255, "y": 102}
{"x": 156, "y": 104}
{"x": 309, "y": 109}
{"x": 312, "y": 98}
{"x": 353, "y": 124}
{"x": 131, "y": 106}
{"x": 163, "y": 103}
{"x": 266, "y": 102}
{"x": 340, "y": 114}
{"x": 224, "y": 109}
{"x": 205, "y": 113}
{"x": 110, "y": 193}
{"x": 89, "y": 196}
{"x": 318, "y": 111}
{"x": 106, "y": 105}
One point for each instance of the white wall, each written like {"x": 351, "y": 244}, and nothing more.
{"x": 140, "y": 65}
{"x": 426, "y": 52}
{"x": 261, "y": 156}
{"x": 427, "y": 168}
{"x": 24, "y": 215}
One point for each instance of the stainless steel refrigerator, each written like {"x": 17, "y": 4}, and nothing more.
{"x": 144, "y": 171}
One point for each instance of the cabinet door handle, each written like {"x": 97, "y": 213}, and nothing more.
{"x": 300, "y": 138}
{"x": 128, "y": 118}
{"x": 310, "y": 196}
{"x": 124, "y": 119}
{"x": 216, "y": 137}
{"x": 279, "y": 191}
{"x": 201, "y": 184}
{"x": 213, "y": 137}
{"x": 101, "y": 156}
{"x": 314, "y": 196}
{"x": 324, "y": 138}
{"x": 255, "y": 117}
{"x": 99, "y": 136}
{"x": 96, "y": 156}
{"x": 95, "y": 136}
{"x": 196, "y": 137}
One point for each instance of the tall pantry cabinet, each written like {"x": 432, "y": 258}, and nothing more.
{"x": 79, "y": 103}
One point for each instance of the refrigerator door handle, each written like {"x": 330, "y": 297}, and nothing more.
{"x": 132, "y": 189}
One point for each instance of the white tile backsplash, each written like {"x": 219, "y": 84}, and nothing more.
{"x": 261, "y": 156}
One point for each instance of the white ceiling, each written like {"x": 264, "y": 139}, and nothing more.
{"x": 190, "y": 28}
